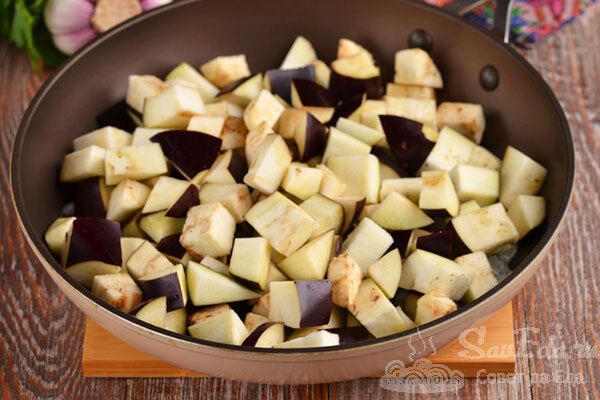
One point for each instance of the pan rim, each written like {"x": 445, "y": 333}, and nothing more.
{"x": 130, "y": 322}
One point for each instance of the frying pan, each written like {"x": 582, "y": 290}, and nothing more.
{"x": 520, "y": 110}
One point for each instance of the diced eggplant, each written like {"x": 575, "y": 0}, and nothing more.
{"x": 185, "y": 71}
{"x": 519, "y": 174}
{"x": 223, "y": 70}
{"x": 309, "y": 261}
{"x": 353, "y": 208}
{"x": 208, "y": 231}
{"x": 486, "y": 229}
{"x": 307, "y": 93}
{"x": 279, "y": 81}
{"x": 253, "y": 321}
{"x": 263, "y": 305}
{"x": 270, "y": 165}
{"x": 331, "y": 185}
{"x": 372, "y": 308}
{"x": 386, "y": 271}
{"x": 322, "y": 73}
{"x": 396, "y": 212}
{"x": 190, "y": 152}
{"x": 188, "y": 199}
{"x": 108, "y": 137}
{"x": 364, "y": 133}
{"x": 142, "y": 135}
{"x": 284, "y": 224}
{"x": 120, "y": 115}
{"x": 117, "y": 290}
{"x": 409, "y": 187}
{"x": 221, "y": 327}
{"x": 91, "y": 198}
{"x": 438, "y": 197}
{"x": 234, "y": 133}
{"x": 301, "y": 304}
{"x": 342, "y": 144}
{"x": 350, "y": 108}
{"x": 337, "y": 319}
{"x": 56, "y": 235}
{"x": 250, "y": 260}
{"x": 158, "y": 225}
{"x": 275, "y": 274}
{"x": 170, "y": 283}
{"x": 475, "y": 183}
{"x": 415, "y": 109}
{"x": 483, "y": 275}
{"x": 142, "y": 87}
{"x": 348, "y": 48}
{"x": 269, "y": 334}
{"x": 310, "y": 137}
{"x": 468, "y": 206}
{"x": 367, "y": 243}
{"x": 412, "y": 91}
{"x": 345, "y": 276}
{"x": 254, "y": 138}
{"x": 389, "y": 168}
{"x": 134, "y": 162}
{"x": 450, "y": 150}
{"x": 326, "y": 212}
{"x": 215, "y": 265}
{"x": 289, "y": 121}
{"x": 302, "y": 182}
{"x": 439, "y": 243}
{"x": 300, "y": 54}
{"x": 153, "y": 312}
{"x": 465, "y": 118}
{"x": 355, "y": 75}
{"x": 423, "y": 271}
{"x": 145, "y": 260}
{"x": 360, "y": 173}
{"x": 243, "y": 91}
{"x": 175, "y": 321}
{"x": 165, "y": 192}
{"x": 171, "y": 247}
{"x": 132, "y": 228}
{"x": 234, "y": 197}
{"x": 415, "y": 67}
{"x": 405, "y": 318}
{"x": 370, "y": 112}
{"x": 406, "y": 141}
{"x": 211, "y": 125}
{"x": 411, "y": 244}
{"x": 352, "y": 322}
{"x": 432, "y": 306}
{"x": 482, "y": 157}
{"x": 230, "y": 167}
{"x": 527, "y": 212}
{"x": 206, "y": 287}
{"x": 264, "y": 108}
{"x": 83, "y": 164}
{"x": 173, "y": 108}
{"x": 126, "y": 198}
{"x": 316, "y": 339}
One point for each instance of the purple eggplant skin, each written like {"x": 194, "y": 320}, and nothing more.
{"x": 119, "y": 116}
{"x": 338, "y": 246}
{"x": 190, "y": 152}
{"x": 232, "y": 86}
{"x": 439, "y": 243}
{"x": 252, "y": 339}
{"x": 170, "y": 246}
{"x": 167, "y": 285}
{"x": 346, "y": 107}
{"x": 312, "y": 94}
{"x": 459, "y": 247}
{"x": 358, "y": 208}
{"x": 95, "y": 239}
{"x": 345, "y": 87}
{"x": 249, "y": 284}
{"x": 351, "y": 335}
{"x": 401, "y": 239}
{"x": 188, "y": 199}
{"x": 315, "y": 137}
{"x": 237, "y": 167}
{"x": 407, "y": 141}
{"x": 386, "y": 157}
{"x": 245, "y": 230}
{"x": 280, "y": 80}
{"x": 315, "y": 302}
{"x": 88, "y": 199}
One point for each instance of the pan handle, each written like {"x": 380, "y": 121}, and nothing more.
{"x": 502, "y": 14}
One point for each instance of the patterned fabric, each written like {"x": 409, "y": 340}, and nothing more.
{"x": 531, "y": 19}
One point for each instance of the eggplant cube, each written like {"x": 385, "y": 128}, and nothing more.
{"x": 118, "y": 291}
{"x": 208, "y": 231}
{"x": 221, "y": 71}
{"x": 302, "y": 182}
{"x": 451, "y": 149}
{"x": 475, "y": 183}
{"x": 375, "y": 311}
{"x": 300, "y": 304}
{"x": 176, "y": 321}
{"x": 486, "y": 229}
{"x": 482, "y": 157}
{"x": 207, "y": 124}
{"x": 164, "y": 194}
{"x": 263, "y": 305}
{"x": 367, "y": 243}
{"x": 321, "y": 338}
{"x": 345, "y": 276}
{"x": 254, "y": 138}
{"x": 250, "y": 260}
{"x": 421, "y": 110}
{"x": 300, "y": 54}
{"x": 188, "y": 73}
{"x": 465, "y": 118}
{"x": 398, "y": 213}
{"x": 142, "y": 135}
{"x": 412, "y": 91}
{"x": 264, "y": 108}
{"x": 360, "y": 173}
{"x": 415, "y": 67}
{"x": 268, "y": 334}
{"x": 309, "y": 261}
{"x": 331, "y": 185}
{"x": 270, "y": 165}
{"x": 289, "y": 121}
{"x": 207, "y": 287}
{"x": 322, "y": 73}
{"x": 243, "y": 91}
{"x": 221, "y": 327}
{"x": 519, "y": 174}
{"x": 159, "y": 226}
{"x": 134, "y": 162}
{"x": 141, "y": 87}
{"x": 409, "y": 187}
{"x": 483, "y": 275}
{"x": 253, "y": 321}
{"x": 362, "y": 132}
{"x": 56, "y": 235}
{"x": 423, "y": 271}
{"x": 229, "y": 167}
{"x": 386, "y": 272}
{"x": 154, "y": 312}
{"x": 234, "y": 133}
{"x": 326, "y": 212}
{"x": 146, "y": 260}
{"x": 432, "y": 306}
{"x": 108, "y": 138}
{"x": 128, "y": 246}
{"x": 234, "y": 197}
{"x": 438, "y": 196}
{"x": 125, "y": 199}
{"x": 215, "y": 265}
{"x": 83, "y": 164}
{"x": 173, "y": 108}
{"x": 284, "y": 224}
{"x": 468, "y": 206}
{"x": 343, "y": 144}
{"x": 527, "y": 212}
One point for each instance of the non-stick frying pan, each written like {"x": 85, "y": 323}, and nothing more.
{"x": 521, "y": 110}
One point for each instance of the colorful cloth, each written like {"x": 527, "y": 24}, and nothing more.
{"x": 531, "y": 20}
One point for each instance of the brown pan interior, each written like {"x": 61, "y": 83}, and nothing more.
{"x": 522, "y": 111}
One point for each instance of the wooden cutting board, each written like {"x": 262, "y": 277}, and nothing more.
{"x": 106, "y": 356}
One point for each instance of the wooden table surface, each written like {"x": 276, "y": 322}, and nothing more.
{"x": 41, "y": 332}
